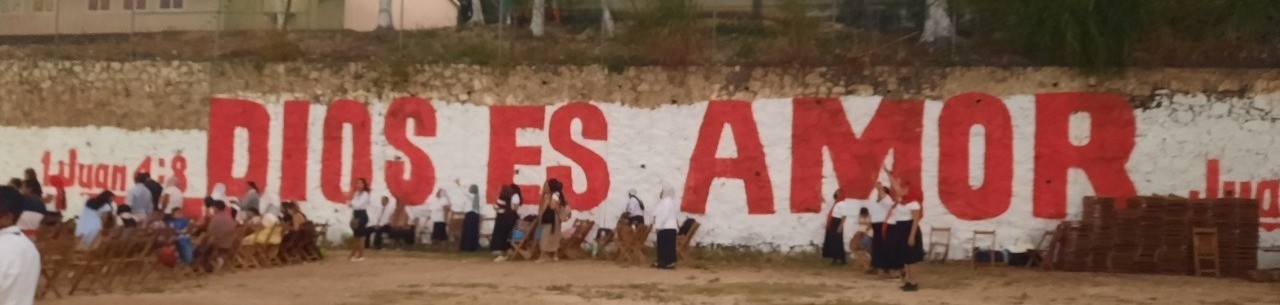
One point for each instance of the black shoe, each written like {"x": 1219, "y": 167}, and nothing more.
{"x": 909, "y": 287}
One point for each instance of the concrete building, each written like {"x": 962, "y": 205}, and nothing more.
{"x": 73, "y": 17}
{"x": 362, "y": 15}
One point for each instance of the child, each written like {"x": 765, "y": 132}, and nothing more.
{"x": 864, "y": 230}
{"x": 179, "y": 223}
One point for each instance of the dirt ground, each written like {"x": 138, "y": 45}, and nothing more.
{"x": 395, "y": 277}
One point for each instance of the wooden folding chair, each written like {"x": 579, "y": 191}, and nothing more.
{"x": 56, "y": 253}
{"x": 90, "y": 267}
{"x": 684, "y": 248}
{"x": 1204, "y": 245}
{"x": 1042, "y": 255}
{"x": 631, "y": 244}
{"x": 527, "y": 247}
{"x": 571, "y": 247}
{"x": 269, "y": 253}
{"x": 939, "y": 244}
{"x": 973, "y": 262}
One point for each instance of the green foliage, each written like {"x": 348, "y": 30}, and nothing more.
{"x": 800, "y": 32}
{"x": 1252, "y": 20}
{"x": 668, "y": 31}
{"x": 1091, "y": 34}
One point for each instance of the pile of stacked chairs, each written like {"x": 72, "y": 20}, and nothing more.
{"x": 124, "y": 257}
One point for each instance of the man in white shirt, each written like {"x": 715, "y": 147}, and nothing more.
{"x": 139, "y": 197}
{"x": 380, "y": 215}
{"x": 19, "y": 259}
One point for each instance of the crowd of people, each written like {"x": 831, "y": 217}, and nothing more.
{"x": 888, "y": 228}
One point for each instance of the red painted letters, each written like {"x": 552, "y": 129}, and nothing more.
{"x": 415, "y": 189}
{"x": 293, "y": 159}
{"x": 594, "y": 127}
{"x": 341, "y": 114}
{"x": 1111, "y": 133}
{"x": 992, "y": 197}
{"x": 749, "y": 165}
{"x": 504, "y": 154}
{"x": 225, "y": 116}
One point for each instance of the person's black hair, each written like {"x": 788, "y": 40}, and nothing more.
{"x": 32, "y": 182}
{"x": 10, "y": 201}
{"x": 30, "y": 174}
{"x": 219, "y": 205}
{"x": 254, "y": 186}
{"x": 124, "y": 209}
{"x": 864, "y": 212}
{"x": 140, "y": 177}
{"x": 557, "y": 188}
{"x": 364, "y": 184}
{"x": 515, "y": 190}
{"x": 505, "y": 193}
{"x": 15, "y": 183}
{"x": 102, "y": 199}
{"x": 835, "y": 195}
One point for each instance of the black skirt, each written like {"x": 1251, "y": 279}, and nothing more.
{"x": 666, "y": 248}
{"x": 361, "y": 225}
{"x": 470, "y": 232}
{"x": 438, "y": 232}
{"x": 882, "y": 253}
{"x": 500, "y": 240}
{"x": 833, "y": 244}
{"x": 906, "y": 254}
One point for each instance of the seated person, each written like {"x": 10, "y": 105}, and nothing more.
{"x": 127, "y": 219}
{"x": 221, "y": 236}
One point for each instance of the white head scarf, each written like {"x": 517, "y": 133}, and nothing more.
{"x": 219, "y": 192}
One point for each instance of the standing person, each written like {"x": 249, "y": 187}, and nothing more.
{"x": 635, "y": 209}
{"x": 440, "y": 208}
{"x": 139, "y": 197}
{"x": 96, "y": 210}
{"x": 359, "y": 204}
{"x": 665, "y": 221}
{"x": 883, "y": 261}
{"x": 19, "y": 259}
{"x": 382, "y": 224}
{"x": 471, "y": 222}
{"x": 552, "y": 213}
{"x": 171, "y": 197}
{"x": 155, "y": 190}
{"x": 251, "y": 198}
{"x": 503, "y": 223}
{"x": 906, "y": 232}
{"x": 833, "y": 245}
{"x": 30, "y": 180}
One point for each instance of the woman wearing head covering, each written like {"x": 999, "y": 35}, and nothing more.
{"x": 503, "y": 223}
{"x": 219, "y": 192}
{"x": 551, "y": 214}
{"x": 439, "y": 208}
{"x": 171, "y": 197}
{"x": 471, "y": 222}
{"x": 359, "y": 203}
{"x": 833, "y": 244}
{"x": 667, "y": 225}
{"x": 96, "y": 210}
{"x": 635, "y": 209}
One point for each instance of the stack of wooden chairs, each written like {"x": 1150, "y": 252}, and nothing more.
{"x": 124, "y": 257}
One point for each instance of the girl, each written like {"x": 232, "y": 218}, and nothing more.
{"x": 883, "y": 260}
{"x": 359, "y": 204}
{"x": 906, "y": 232}
{"x": 833, "y": 244}
{"x": 552, "y": 213}
{"x": 471, "y": 222}
{"x": 439, "y": 216}
{"x": 91, "y": 218}
{"x": 505, "y": 221}
{"x": 665, "y": 222}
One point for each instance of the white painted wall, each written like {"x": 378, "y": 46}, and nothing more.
{"x": 1172, "y": 144}
{"x": 362, "y": 15}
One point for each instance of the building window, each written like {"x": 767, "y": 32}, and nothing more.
{"x": 170, "y": 4}
{"x": 10, "y": 6}
{"x": 135, "y": 5}
{"x": 99, "y": 5}
{"x": 43, "y": 6}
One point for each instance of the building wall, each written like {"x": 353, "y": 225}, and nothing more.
{"x": 73, "y": 17}
{"x": 1013, "y": 151}
{"x": 362, "y": 15}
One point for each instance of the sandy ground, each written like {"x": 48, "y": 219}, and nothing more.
{"x": 422, "y": 278}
